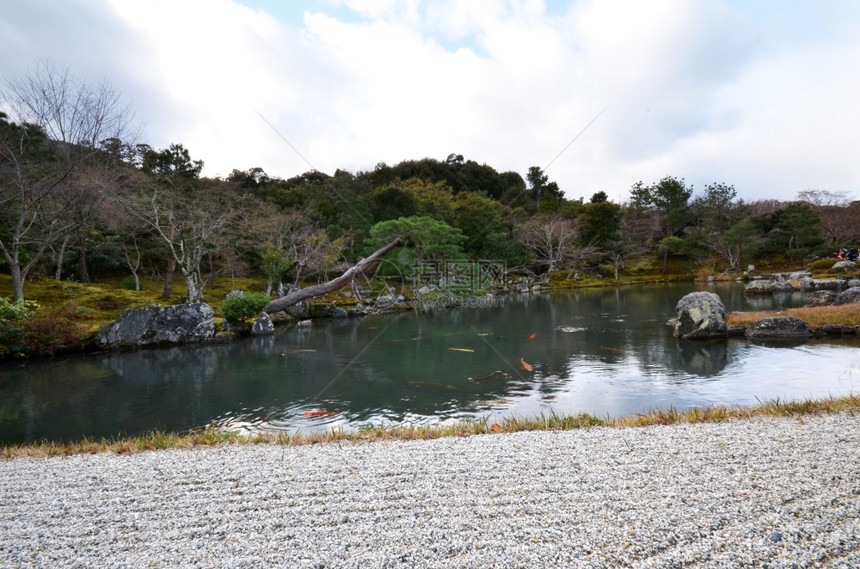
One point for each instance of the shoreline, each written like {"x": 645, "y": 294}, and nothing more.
{"x": 845, "y": 321}
{"x": 211, "y": 437}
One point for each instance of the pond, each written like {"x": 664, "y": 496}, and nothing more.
{"x": 602, "y": 351}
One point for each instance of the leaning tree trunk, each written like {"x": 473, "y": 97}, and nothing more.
{"x": 337, "y": 283}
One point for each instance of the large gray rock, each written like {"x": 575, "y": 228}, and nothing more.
{"x": 768, "y": 287}
{"x": 701, "y": 315}
{"x": 843, "y": 265}
{"x": 821, "y": 298}
{"x": 829, "y": 285}
{"x": 154, "y": 325}
{"x": 848, "y": 296}
{"x": 777, "y": 328}
{"x": 263, "y": 326}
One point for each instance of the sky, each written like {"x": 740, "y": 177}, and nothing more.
{"x": 763, "y": 95}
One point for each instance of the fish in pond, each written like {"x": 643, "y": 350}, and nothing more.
{"x": 467, "y": 350}
{"x": 613, "y": 350}
{"x": 430, "y": 384}
{"x": 526, "y": 366}
{"x": 320, "y": 413}
{"x": 493, "y": 376}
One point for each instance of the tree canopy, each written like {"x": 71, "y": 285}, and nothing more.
{"x": 80, "y": 196}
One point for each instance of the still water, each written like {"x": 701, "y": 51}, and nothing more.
{"x": 601, "y": 351}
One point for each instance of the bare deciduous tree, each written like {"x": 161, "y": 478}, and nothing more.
{"x": 838, "y": 215}
{"x": 292, "y": 242}
{"x": 551, "y": 238}
{"x": 192, "y": 223}
{"x": 51, "y": 132}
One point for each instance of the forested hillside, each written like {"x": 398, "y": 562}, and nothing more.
{"x": 77, "y": 200}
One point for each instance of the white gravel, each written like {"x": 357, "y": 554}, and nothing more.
{"x": 760, "y": 493}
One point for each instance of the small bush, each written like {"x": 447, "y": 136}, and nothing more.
{"x": 26, "y": 332}
{"x": 18, "y": 310}
{"x": 703, "y": 273}
{"x": 53, "y": 331}
{"x": 244, "y": 306}
{"x": 11, "y": 338}
{"x": 13, "y": 316}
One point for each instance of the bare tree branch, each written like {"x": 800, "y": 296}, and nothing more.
{"x": 364, "y": 265}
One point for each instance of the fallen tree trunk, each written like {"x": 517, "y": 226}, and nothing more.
{"x": 346, "y": 278}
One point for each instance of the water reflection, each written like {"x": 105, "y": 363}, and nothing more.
{"x": 602, "y": 351}
{"x": 704, "y": 358}
{"x": 775, "y": 301}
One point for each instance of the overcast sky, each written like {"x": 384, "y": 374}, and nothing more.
{"x": 762, "y": 94}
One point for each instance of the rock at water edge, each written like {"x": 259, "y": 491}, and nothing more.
{"x": 768, "y": 287}
{"x": 154, "y": 324}
{"x": 263, "y": 326}
{"x": 701, "y": 315}
{"x": 821, "y": 298}
{"x": 848, "y": 296}
{"x": 781, "y": 327}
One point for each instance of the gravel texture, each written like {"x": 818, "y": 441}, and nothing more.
{"x": 758, "y": 493}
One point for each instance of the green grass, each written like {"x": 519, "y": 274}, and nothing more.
{"x": 158, "y": 440}
{"x": 107, "y": 298}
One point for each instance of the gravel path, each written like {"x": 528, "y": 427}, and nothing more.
{"x": 760, "y": 493}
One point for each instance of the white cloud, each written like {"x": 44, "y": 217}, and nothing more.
{"x": 763, "y": 98}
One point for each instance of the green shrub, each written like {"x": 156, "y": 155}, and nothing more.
{"x": 244, "y": 306}
{"x": 13, "y": 315}
{"x": 18, "y": 310}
